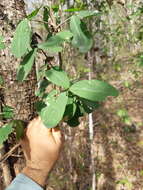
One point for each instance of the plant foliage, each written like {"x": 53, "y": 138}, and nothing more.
{"x": 68, "y": 100}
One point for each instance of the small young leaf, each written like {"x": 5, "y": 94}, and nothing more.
{"x": 73, "y": 10}
{"x": 2, "y": 45}
{"x": 53, "y": 44}
{"x": 8, "y": 112}
{"x": 58, "y": 77}
{"x": 81, "y": 37}
{"x": 33, "y": 14}
{"x": 26, "y": 65}
{"x": 22, "y": 39}
{"x": 46, "y": 14}
{"x": 53, "y": 113}
{"x": 5, "y": 131}
{"x": 93, "y": 90}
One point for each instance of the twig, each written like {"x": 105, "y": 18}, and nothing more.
{"x": 60, "y": 60}
{"x": 8, "y": 154}
{"x": 47, "y": 58}
{"x": 63, "y": 22}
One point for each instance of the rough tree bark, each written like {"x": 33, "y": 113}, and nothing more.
{"x": 20, "y": 96}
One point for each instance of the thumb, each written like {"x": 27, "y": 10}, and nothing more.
{"x": 56, "y": 132}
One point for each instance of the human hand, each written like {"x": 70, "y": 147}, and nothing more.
{"x": 41, "y": 148}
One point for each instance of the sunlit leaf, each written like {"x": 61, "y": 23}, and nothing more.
{"x": 93, "y": 90}
{"x": 53, "y": 113}
{"x": 22, "y": 39}
{"x": 81, "y": 37}
{"x": 58, "y": 77}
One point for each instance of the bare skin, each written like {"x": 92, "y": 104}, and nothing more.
{"x": 41, "y": 148}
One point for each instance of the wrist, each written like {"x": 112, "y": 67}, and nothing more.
{"x": 40, "y": 176}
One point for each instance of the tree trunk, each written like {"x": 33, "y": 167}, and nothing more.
{"x": 20, "y": 96}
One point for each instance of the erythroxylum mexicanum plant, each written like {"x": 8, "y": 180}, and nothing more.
{"x": 68, "y": 100}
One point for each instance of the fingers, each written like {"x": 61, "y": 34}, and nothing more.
{"x": 56, "y": 132}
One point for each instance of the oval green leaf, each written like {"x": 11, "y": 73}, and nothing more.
{"x": 93, "y": 90}
{"x": 58, "y": 76}
{"x": 53, "y": 113}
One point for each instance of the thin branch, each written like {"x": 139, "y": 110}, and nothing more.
{"x": 60, "y": 60}
{"x": 47, "y": 58}
{"x": 44, "y": 22}
{"x": 8, "y": 154}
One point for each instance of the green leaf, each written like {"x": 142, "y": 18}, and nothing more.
{"x": 39, "y": 106}
{"x": 2, "y": 45}
{"x": 58, "y": 77}
{"x": 5, "y": 131}
{"x": 81, "y": 37}
{"x": 93, "y": 90}
{"x": 55, "y": 8}
{"x": 19, "y": 128}
{"x": 53, "y": 44}
{"x": 46, "y": 14}
{"x": 8, "y": 112}
{"x": 87, "y": 13}
{"x": 26, "y": 65}
{"x": 73, "y": 10}
{"x": 70, "y": 109}
{"x": 34, "y": 13}
{"x": 22, "y": 38}
{"x": 42, "y": 87}
{"x": 74, "y": 121}
{"x": 53, "y": 113}
{"x": 89, "y": 106}
{"x": 1, "y": 81}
